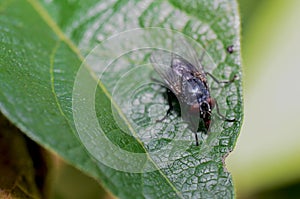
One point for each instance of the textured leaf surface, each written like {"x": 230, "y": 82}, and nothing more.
{"x": 42, "y": 47}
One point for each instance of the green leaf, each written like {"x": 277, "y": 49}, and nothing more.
{"x": 43, "y": 44}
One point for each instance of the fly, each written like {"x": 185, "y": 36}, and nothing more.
{"x": 188, "y": 82}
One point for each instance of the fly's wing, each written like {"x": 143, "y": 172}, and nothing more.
{"x": 162, "y": 63}
{"x": 187, "y": 52}
{"x": 182, "y": 66}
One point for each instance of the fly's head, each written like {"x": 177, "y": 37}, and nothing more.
{"x": 204, "y": 108}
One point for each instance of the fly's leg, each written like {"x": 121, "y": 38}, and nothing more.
{"x": 221, "y": 82}
{"x": 169, "y": 97}
{"x": 213, "y": 77}
{"x": 220, "y": 115}
{"x": 214, "y": 102}
{"x": 196, "y": 138}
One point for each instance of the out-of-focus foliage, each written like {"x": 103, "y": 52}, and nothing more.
{"x": 268, "y": 148}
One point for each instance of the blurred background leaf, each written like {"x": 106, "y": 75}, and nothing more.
{"x": 20, "y": 175}
{"x": 266, "y": 161}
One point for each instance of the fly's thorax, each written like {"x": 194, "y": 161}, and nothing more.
{"x": 201, "y": 76}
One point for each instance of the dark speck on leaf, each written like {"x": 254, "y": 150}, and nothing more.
{"x": 230, "y": 49}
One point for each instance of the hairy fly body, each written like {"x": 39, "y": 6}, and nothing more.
{"x": 188, "y": 82}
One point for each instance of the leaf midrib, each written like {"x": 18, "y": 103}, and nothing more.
{"x": 53, "y": 26}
